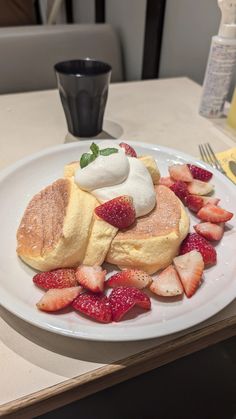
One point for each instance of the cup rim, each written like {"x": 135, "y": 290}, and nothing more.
{"x": 108, "y": 70}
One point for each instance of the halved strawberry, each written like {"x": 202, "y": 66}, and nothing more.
{"x": 57, "y": 299}
{"x": 58, "y": 278}
{"x": 194, "y": 241}
{"x": 196, "y": 202}
{"x": 167, "y": 283}
{"x": 129, "y": 278}
{"x": 119, "y": 212}
{"x": 190, "y": 268}
{"x": 122, "y": 299}
{"x": 166, "y": 181}
{"x": 96, "y": 306}
{"x": 200, "y": 173}
{"x": 180, "y": 172}
{"x": 181, "y": 190}
{"x": 214, "y": 214}
{"x": 91, "y": 277}
{"x": 128, "y": 149}
{"x": 197, "y": 187}
{"x": 210, "y": 231}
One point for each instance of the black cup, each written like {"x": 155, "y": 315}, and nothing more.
{"x": 83, "y": 87}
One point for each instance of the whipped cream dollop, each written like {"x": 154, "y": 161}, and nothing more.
{"x": 117, "y": 174}
{"x": 105, "y": 170}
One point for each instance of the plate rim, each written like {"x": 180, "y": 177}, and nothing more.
{"x": 216, "y": 307}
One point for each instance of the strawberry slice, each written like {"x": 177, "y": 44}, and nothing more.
{"x": 122, "y": 299}
{"x": 57, "y": 299}
{"x": 96, "y": 306}
{"x": 210, "y": 231}
{"x": 180, "y": 172}
{"x": 167, "y": 283}
{"x": 166, "y": 181}
{"x": 91, "y": 277}
{"x": 181, "y": 190}
{"x": 200, "y": 173}
{"x": 128, "y": 149}
{"x": 194, "y": 241}
{"x": 58, "y": 278}
{"x": 130, "y": 278}
{"x": 214, "y": 214}
{"x": 197, "y": 187}
{"x": 196, "y": 202}
{"x": 119, "y": 212}
{"x": 190, "y": 268}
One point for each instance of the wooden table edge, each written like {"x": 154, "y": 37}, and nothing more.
{"x": 89, "y": 383}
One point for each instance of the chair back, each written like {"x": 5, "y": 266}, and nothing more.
{"x": 28, "y": 53}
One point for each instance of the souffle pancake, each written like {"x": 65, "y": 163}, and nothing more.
{"x": 55, "y": 227}
{"x": 153, "y": 241}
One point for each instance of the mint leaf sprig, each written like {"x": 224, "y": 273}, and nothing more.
{"x": 88, "y": 158}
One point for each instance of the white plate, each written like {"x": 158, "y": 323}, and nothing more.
{"x": 19, "y": 295}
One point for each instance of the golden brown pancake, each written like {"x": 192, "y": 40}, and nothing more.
{"x": 42, "y": 224}
{"x": 153, "y": 241}
{"x": 55, "y": 227}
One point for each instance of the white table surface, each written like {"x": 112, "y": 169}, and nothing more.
{"x": 161, "y": 112}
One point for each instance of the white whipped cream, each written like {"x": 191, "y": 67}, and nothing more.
{"x": 104, "y": 170}
{"x": 117, "y": 174}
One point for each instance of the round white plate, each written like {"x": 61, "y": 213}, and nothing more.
{"x": 19, "y": 295}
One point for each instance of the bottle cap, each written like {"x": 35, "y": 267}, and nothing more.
{"x": 227, "y": 27}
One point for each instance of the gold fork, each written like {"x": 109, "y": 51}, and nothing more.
{"x": 208, "y": 156}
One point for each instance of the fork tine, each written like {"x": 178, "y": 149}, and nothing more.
{"x": 209, "y": 156}
{"x": 200, "y": 150}
{"x": 216, "y": 161}
{"x": 203, "y": 154}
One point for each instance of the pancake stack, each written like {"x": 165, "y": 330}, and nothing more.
{"x": 60, "y": 229}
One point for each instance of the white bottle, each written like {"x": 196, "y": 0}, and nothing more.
{"x": 221, "y": 63}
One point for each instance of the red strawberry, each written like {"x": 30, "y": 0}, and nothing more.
{"x": 122, "y": 299}
{"x": 96, "y": 306}
{"x": 167, "y": 283}
{"x": 128, "y": 149}
{"x": 214, "y": 214}
{"x": 196, "y": 202}
{"x": 194, "y": 241}
{"x": 56, "y": 299}
{"x": 190, "y": 268}
{"x": 180, "y": 189}
{"x": 118, "y": 212}
{"x": 59, "y": 278}
{"x": 180, "y": 172}
{"x": 129, "y": 278}
{"x": 197, "y": 187}
{"x": 210, "y": 231}
{"x": 200, "y": 173}
{"x": 166, "y": 181}
{"x": 91, "y": 277}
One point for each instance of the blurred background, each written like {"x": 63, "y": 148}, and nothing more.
{"x": 153, "y": 38}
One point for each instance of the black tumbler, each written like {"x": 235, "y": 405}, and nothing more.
{"x": 83, "y": 87}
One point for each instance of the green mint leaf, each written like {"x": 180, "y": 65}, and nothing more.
{"x": 108, "y": 151}
{"x": 85, "y": 159}
{"x": 95, "y": 149}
